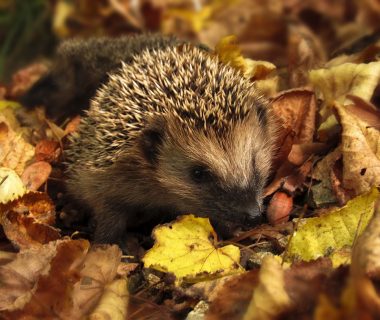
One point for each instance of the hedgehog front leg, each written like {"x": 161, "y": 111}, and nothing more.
{"x": 111, "y": 225}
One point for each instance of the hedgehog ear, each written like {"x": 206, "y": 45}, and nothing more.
{"x": 152, "y": 138}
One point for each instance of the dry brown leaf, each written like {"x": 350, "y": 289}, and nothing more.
{"x": 278, "y": 292}
{"x": 335, "y": 84}
{"x": 47, "y": 150}
{"x": 302, "y": 152}
{"x": 233, "y": 298}
{"x": 365, "y": 111}
{"x": 279, "y": 208}
{"x": 305, "y": 52}
{"x": 62, "y": 279}
{"x": 15, "y": 152}
{"x": 269, "y": 298}
{"x": 100, "y": 269}
{"x": 25, "y": 78}
{"x": 322, "y": 192}
{"x": 366, "y": 267}
{"x": 207, "y": 290}
{"x": 52, "y": 289}
{"x": 26, "y": 221}
{"x": 35, "y": 175}
{"x": 19, "y": 277}
{"x": 296, "y": 110}
{"x": 361, "y": 153}
{"x": 114, "y": 302}
{"x": 73, "y": 125}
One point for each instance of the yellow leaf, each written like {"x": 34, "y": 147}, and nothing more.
{"x": 269, "y": 298}
{"x": 349, "y": 78}
{"x": 187, "y": 249}
{"x": 361, "y": 153}
{"x": 9, "y": 104}
{"x": 335, "y": 83}
{"x": 229, "y": 52}
{"x": 63, "y": 10}
{"x": 319, "y": 236}
{"x": 197, "y": 19}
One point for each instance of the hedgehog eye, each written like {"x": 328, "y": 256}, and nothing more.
{"x": 200, "y": 174}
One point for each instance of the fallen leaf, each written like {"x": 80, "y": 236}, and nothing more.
{"x": 26, "y": 221}
{"x": 114, "y": 302}
{"x": 208, "y": 290}
{"x": 269, "y": 298}
{"x": 365, "y": 269}
{"x": 300, "y": 153}
{"x": 279, "y": 208}
{"x": 276, "y": 292}
{"x": 232, "y": 299}
{"x": 229, "y": 52}
{"x": 6, "y": 104}
{"x": 57, "y": 132}
{"x": 188, "y": 249}
{"x": 52, "y": 289}
{"x": 47, "y": 150}
{"x": 335, "y": 84}
{"x": 366, "y": 251}
{"x": 25, "y": 78}
{"x": 305, "y": 51}
{"x": 319, "y": 236}
{"x": 361, "y": 153}
{"x": 99, "y": 271}
{"x": 365, "y": 111}
{"x": 15, "y": 152}
{"x": 323, "y": 192}
{"x": 19, "y": 277}
{"x": 63, "y": 10}
{"x": 35, "y": 175}
{"x": 296, "y": 111}
{"x": 11, "y": 186}
{"x": 73, "y": 125}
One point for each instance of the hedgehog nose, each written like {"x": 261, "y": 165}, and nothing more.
{"x": 252, "y": 215}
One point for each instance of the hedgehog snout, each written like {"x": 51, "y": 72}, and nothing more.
{"x": 250, "y": 215}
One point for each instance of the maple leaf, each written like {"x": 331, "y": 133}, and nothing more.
{"x": 187, "y": 249}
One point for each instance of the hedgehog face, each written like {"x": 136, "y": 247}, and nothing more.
{"x": 219, "y": 175}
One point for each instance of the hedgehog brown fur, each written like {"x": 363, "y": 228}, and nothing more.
{"x": 174, "y": 131}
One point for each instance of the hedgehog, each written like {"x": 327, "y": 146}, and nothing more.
{"x": 172, "y": 131}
